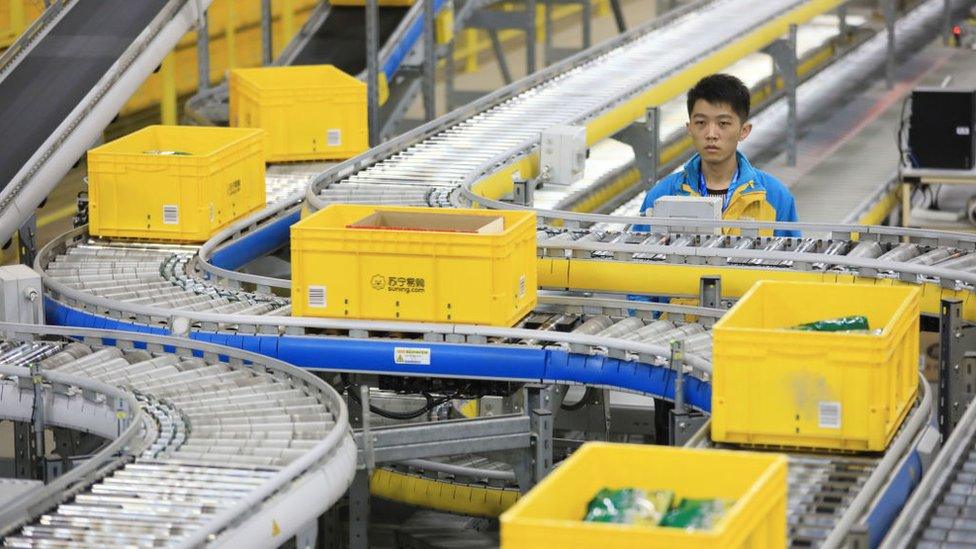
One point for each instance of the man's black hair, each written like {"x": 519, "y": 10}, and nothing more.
{"x": 721, "y": 88}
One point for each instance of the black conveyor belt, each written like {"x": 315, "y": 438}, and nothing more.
{"x": 57, "y": 73}
{"x": 341, "y": 40}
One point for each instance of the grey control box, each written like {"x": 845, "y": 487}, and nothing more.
{"x": 689, "y": 207}
{"x": 21, "y": 295}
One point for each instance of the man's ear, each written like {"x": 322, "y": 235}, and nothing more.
{"x": 745, "y": 131}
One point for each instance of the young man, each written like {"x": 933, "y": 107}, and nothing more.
{"x": 718, "y": 112}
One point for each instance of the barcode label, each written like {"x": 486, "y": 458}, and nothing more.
{"x": 333, "y": 137}
{"x": 829, "y": 415}
{"x": 171, "y": 214}
{"x": 521, "y": 290}
{"x": 316, "y": 296}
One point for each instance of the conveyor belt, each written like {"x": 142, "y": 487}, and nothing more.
{"x": 942, "y": 512}
{"x": 341, "y": 39}
{"x": 828, "y": 493}
{"x": 485, "y": 142}
{"x": 53, "y": 77}
{"x": 66, "y": 79}
{"x": 219, "y": 434}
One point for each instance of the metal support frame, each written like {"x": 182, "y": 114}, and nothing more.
{"x": 551, "y": 53}
{"x": 783, "y": 52}
{"x": 267, "y": 47}
{"x": 492, "y": 21}
{"x": 684, "y": 422}
{"x": 359, "y": 511}
{"x": 430, "y": 63}
{"x": 535, "y": 462}
{"x": 27, "y": 240}
{"x": 25, "y": 452}
{"x": 203, "y": 52}
{"x": 443, "y": 438}
{"x": 842, "y": 27}
{"x": 957, "y": 365}
{"x": 618, "y": 16}
{"x": 373, "y": 70}
{"x": 359, "y": 491}
{"x": 890, "y": 14}
{"x": 645, "y": 138}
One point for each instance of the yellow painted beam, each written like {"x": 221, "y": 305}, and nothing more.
{"x": 683, "y": 280}
{"x": 167, "y": 73}
{"x": 443, "y": 496}
{"x": 880, "y": 211}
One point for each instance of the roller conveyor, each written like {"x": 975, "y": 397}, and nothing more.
{"x": 201, "y": 458}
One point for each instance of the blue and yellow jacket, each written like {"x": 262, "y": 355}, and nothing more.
{"x": 755, "y": 195}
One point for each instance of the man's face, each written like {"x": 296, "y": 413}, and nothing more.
{"x": 716, "y": 130}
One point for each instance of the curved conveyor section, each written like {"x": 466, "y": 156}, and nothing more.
{"x": 233, "y": 441}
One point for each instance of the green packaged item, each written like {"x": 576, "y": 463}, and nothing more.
{"x": 628, "y": 506}
{"x": 695, "y": 514}
{"x": 842, "y": 324}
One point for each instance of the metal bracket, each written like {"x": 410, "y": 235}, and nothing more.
{"x": 957, "y": 366}
{"x": 710, "y": 292}
{"x": 645, "y": 139}
{"x": 27, "y": 240}
{"x": 523, "y": 190}
{"x": 783, "y": 52}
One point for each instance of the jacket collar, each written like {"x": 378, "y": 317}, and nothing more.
{"x": 747, "y": 174}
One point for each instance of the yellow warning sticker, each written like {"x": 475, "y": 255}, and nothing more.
{"x": 275, "y": 529}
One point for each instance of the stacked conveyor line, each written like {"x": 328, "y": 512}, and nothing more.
{"x": 211, "y": 447}
{"x": 662, "y": 262}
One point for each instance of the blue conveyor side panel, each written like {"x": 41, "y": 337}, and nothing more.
{"x": 257, "y": 243}
{"x": 892, "y": 501}
{"x": 503, "y": 362}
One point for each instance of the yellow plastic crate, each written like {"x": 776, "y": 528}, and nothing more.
{"x": 180, "y": 183}
{"x": 844, "y": 391}
{"x": 314, "y": 112}
{"x": 551, "y": 514}
{"x": 416, "y": 264}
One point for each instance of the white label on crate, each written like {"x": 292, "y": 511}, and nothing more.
{"x": 171, "y": 214}
{"x": 962, "y": 130}
{"x": 408, "y": 355}
{"x": 316, "y": 296}
{"x": 521, "y": 290}
{"x": 333, "y": 137}
{"x": 829, "y": 414}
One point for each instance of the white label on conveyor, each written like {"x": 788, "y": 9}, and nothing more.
{"x": 521, "y": 286}
{"x": 333, "y": 137}
{"x": 829, "y": 414}
{"x": 408, "y": 355}
{"x": 171, "y": 214}
{"x": 316, "y": 296}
